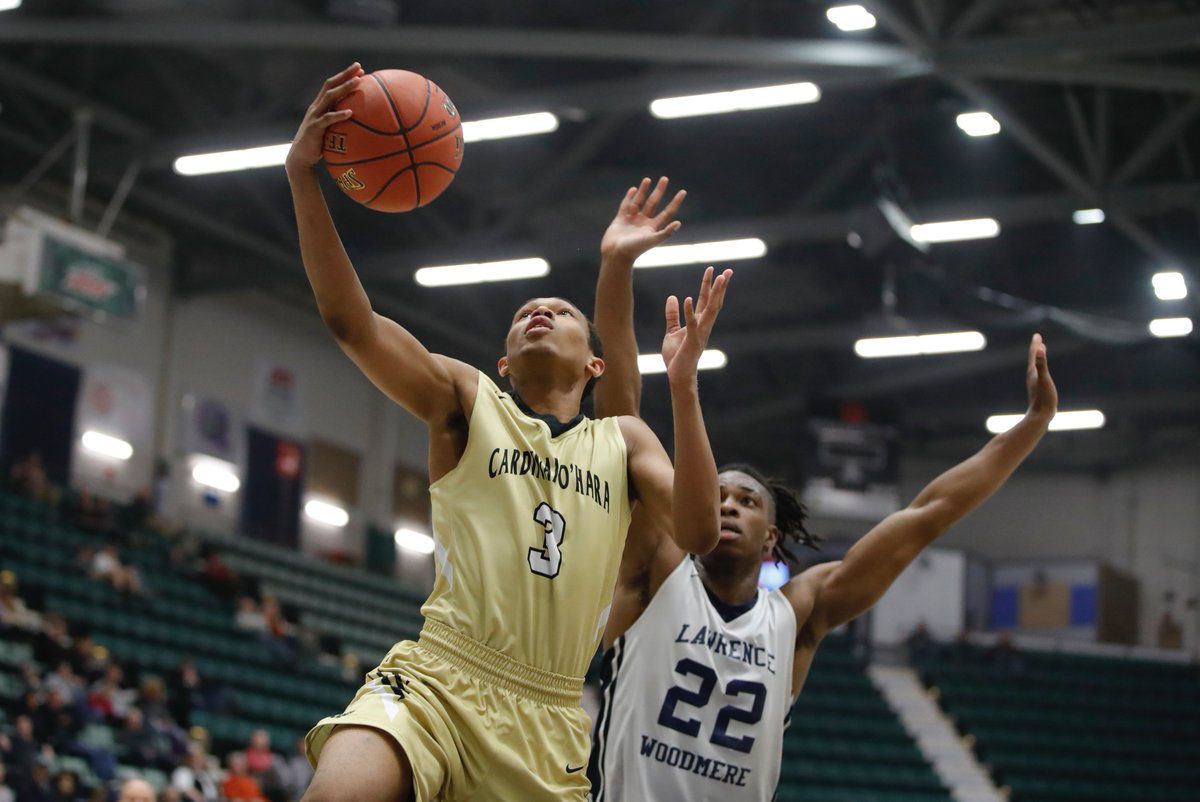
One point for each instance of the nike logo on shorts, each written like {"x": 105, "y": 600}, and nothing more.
{"x": 573, "y": 770}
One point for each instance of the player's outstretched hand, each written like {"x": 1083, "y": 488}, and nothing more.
{"x": 1043, "y": 395}
{"x": 683, "y": 344}
{"x": 639, "y": 226}
{"x": 306, "y": 147}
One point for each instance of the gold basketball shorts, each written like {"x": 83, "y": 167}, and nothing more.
{"x": 474, "y": 723}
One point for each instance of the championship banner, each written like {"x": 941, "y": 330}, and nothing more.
{"x": 212, "y": 427}
{"x": 276, "y": 401}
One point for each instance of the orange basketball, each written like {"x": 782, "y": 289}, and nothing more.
{"x": 402, "y": 146}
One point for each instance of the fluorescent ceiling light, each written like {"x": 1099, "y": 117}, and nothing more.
{"x": 1088, "y": 217}
{"x": 955, "y": 230}
{"x": 274, "y": 155}
{"x": 326, "y": 513}
{"x": 412, "y": 540}
{"x": 978, "y": 123}
{"x": 215, "y": 473}
{"x": 228, "y": 160}
{"x": 106, "y": 445}
{"x": 1169, "y": 286}
{"x": 541, "y": 122}
{"x": 1062, "y": 422}
{"x": 479, "y": 272}
{"x": 851, "y": 18}
{"x": 763, "y": 97}
{"x": 710, "y": 359}
{"x": 9, "y": 5}
{"x": 1171, "y": 327}
{"x": 920, "y": 344}
{"x": 702, "y": 252}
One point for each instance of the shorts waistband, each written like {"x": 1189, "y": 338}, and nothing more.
{"x": 485, "y": 663}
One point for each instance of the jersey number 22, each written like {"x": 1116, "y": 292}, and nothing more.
{"x": 699, "y": 698}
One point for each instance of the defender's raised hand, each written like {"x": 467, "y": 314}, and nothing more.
{"x": 683, "y": 344}
{"x": 1043, "y": 395}
{"x": 306, "y": 147}
{"x": 639, "y": 226}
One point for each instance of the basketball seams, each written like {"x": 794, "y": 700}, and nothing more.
{"x": 424, "y": 111}
{"x": 407, "y": 145}
{"x": 407, "y": 150}
{"x": 412, "y": 167}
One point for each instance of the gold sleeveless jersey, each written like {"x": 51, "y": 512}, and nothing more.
{"x": 529, "y": 529}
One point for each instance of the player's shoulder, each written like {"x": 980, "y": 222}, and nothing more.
{"x": 802, "y": 590}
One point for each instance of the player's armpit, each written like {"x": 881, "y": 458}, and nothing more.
{"x": 428, "y": 385}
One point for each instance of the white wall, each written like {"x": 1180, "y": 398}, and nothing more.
{"x": 1144, "y": 521}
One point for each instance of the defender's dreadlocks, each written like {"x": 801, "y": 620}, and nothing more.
{"x": 790, "y": 512}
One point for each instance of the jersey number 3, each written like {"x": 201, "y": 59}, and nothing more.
{"x": 548, "y": 559}
{"x": 699, "y": 698}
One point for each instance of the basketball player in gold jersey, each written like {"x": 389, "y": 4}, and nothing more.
{"x": 701, "y": 716}
{"x": 530, "y": 511}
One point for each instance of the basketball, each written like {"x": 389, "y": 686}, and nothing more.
{"x": 401, "y": 148}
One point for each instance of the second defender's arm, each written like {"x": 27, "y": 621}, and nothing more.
{"x": 874, "y": 562}
{"x": 392, "y": 358}
{"x": 634, "y": 230}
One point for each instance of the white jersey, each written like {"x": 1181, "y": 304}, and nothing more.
{"x": 693, "y": 706}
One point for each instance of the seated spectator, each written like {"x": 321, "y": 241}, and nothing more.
{"x": 107, "y": 699}
{"x": 54, "y": 644}
{"x": 259, "y": 757}
{"x": 14, "y": 615}
{"x": 6, "y": 792}
{"x": 66, "y": 787}
{"x": 220, "y": 578}
{"x": 89, "y": 659}
{"x": 152, "y": 698}
{"x": 921, "y": 647}
{"x": 189, "y": 691}
{"x": 107, "y": 566}
{"x": 194, "y": 780}
{"x": 280, "y": 637}
{"x": 66, "y": 682}
{"x": 240, "y": 786}
{"x": 143, "y": 746}
{"x": 136, "y": 791}
{"x": 1004, "y": 654}
{"x": 41, "y": 785}
{"x": 296, "y": 772}
{"x": 58, "y": 723}
{"x": 248, "y": 617}
{"x": 28, "y": 477}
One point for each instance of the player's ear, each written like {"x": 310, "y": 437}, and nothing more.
{"x": 771, "y": 539}
{"x": 595, "y": 367}
{"x": 502, "y": 366}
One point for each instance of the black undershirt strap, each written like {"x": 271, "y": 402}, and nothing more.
{"x": 728, "y": 611}
{"x": 557, "y": 427}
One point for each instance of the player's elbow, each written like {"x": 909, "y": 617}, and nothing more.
{"x": 348, "y": 328}
{"x": 932, "y": 518}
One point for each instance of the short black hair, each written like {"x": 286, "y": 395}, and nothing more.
{"x": 791, "y": 516}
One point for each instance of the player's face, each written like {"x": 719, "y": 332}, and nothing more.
{"x": 747, "y": 516}
{"x": 547, "y": 326}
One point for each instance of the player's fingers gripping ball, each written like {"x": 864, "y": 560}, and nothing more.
{"x": 401, "y": 147}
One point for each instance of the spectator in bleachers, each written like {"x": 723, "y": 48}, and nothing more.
{"x": 239, "y": 786}
{"x": 136, "y": 790}
{"x": 28, "y": 477}
{"x": 107, "y": 567}
{"x": 220, "y": 578}
{"x": 249, "y": 618}
{"x": 54, "y": 643}
{"x": 14, "y": 615}
{"x": 89, "y": 512}
{"x": 41, "y": 786}
{"x": 141, "y": 743}
{"x": 6, "y": 792}
{"x": 1004, "y": 654}
{"x": 67, "y": 683}
{"x": 920, "y": 644}
{"x": 89, "y": 659}
{"x": 296, "y": 772}
{"x": 194, "y": 780}
{"x": 107, "y": 699}
{"x": 58, "y": 723}
{"x": 66, "y": 787}
{"x": 280, "y": 634}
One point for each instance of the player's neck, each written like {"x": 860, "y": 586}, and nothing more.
{"x": 730, "y": 581}
{"x": 548, "y": 398}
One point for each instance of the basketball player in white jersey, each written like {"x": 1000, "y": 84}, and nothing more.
{"x": 701, "y": 665}
{"x": 530, "y": 504}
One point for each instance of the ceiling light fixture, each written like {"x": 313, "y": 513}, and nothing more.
{"x": 710, "y": 359}
{"x": 920, "y": 344}
{"x": 978, "y": 123}
{"x": 479, "y": 272}
{"x": 215, "y": 473}
{"x": 1171, "y": 326}
{"x": 703, "y": 253}
{"x": 956, "y": 230}
{"x": 851, "y": 18}
{"x": 1169, "y": 286}
{"x": 326, "y": 513}
{"x": 1064, "y": 421}
{"x": 106, "y": 445}
{"x": 1088, "y": 217}
{"x": 412, "y": 540}
{"x": 763, "y": 97}
{"x": 541, "y": 122}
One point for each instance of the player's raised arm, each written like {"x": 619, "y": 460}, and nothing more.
{"x": 851, "y": 587}
{"x": 636, "y": 229}
{"x": 686, "y": 499}
{"x": 389, "y": 355}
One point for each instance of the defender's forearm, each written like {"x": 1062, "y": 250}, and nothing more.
{"x": 341, "y": 299}
{"x": 620, "y": 389}
{"x": 696, "y": 499}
